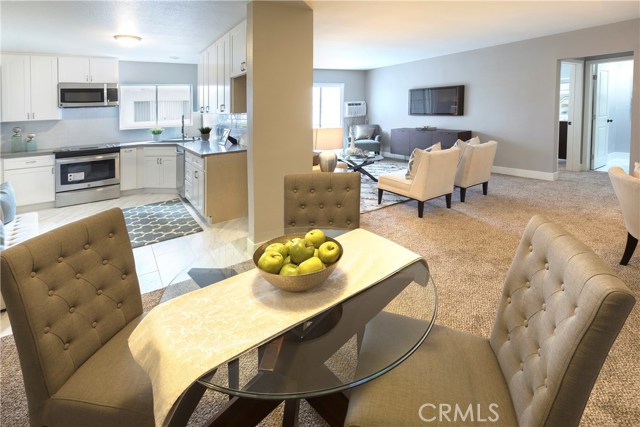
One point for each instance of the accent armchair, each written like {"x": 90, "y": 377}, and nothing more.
{"x": 324, "y": 200}
{"x": 474, "y": 167}
{"x": 561, "y": 310}
{"x": 627, "y": 189}
{"x": 367, "y": 137}
{"x": 433, "y": 178}
{"x": 73, "y": 298}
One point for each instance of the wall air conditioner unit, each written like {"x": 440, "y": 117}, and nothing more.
{"x": 355, "y": 109}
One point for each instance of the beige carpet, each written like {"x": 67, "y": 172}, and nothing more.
{"x": 469, "y": 249}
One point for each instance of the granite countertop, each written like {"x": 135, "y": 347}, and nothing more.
{"x": 200, "y": 148}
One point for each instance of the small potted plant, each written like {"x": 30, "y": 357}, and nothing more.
{"x": 156, "y": 133}
{"x": 205, "y": 132}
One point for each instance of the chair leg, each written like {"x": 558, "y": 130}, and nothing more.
{"x": 448, "y": 199}
{"x": 485, "y": 187}
{"x": 463, "y": 192}
{"x": 379, "y": 195}
{"x": 420, "y": 209}
{"x": 632, "y": 242}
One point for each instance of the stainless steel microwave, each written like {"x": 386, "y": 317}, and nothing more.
{"x": 72, "y": 95}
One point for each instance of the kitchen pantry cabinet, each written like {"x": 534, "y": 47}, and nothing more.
{"x": 160, "y": 167}
{"x": 79, "y": 69}
{"x": 29, "y": 88}
{"x": 128, "y": 169}
{"x": 33, "y": 179}
{"x": 223, "y": 82}
{"x": 238, "y": 49}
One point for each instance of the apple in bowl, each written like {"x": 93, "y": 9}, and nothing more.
{"x": 304, "y": 264}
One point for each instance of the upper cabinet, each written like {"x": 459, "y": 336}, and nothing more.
{"x": 81, "y": 69}
{"x": 238, "y": 42}
{"x": 29, "y": 88}
{"x": 219, "y": 63}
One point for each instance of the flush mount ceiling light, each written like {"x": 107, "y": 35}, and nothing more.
{"x": 127, "y": 39}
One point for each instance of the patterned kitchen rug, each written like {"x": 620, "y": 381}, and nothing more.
{"x": 369, "y": 188}
{"x": 160, "y": 221}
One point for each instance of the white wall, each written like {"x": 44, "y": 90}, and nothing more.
{"x": 510, "y": 92}
{"x": 354, "y": 82}
{"x": 89, "y": 126}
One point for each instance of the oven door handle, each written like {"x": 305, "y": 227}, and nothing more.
{"x": 88, "y": 158}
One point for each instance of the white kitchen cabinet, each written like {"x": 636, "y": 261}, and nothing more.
{"x": 238, "y": 49}
{"x": 203, "y": 82}
{"x": 223, "y": 81}
{"x": 195, "y": 179}
{"x": 160, "y": 167}
{"x": 29, "y": 88}
{"x": 81, "y": 69}
{"x": 33, "y": 179}
{"x": 128, "y": 169}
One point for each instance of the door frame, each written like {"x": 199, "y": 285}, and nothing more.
{"x": 590, "y": 68}
{"x": 575, "y": 144}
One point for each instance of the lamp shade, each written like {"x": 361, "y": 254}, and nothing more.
{"x": 328, "y": 138}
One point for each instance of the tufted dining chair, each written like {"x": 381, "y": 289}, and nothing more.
{"x": 560, "y": 311}
{"x": 322, "y": 200}
{"x": 627, "y": 189}
{"x": 73, "y": 299}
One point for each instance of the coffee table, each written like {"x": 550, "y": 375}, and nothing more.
{"x": 358, "y": 163}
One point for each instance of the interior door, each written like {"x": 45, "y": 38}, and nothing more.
{"x": 601, "y": 119}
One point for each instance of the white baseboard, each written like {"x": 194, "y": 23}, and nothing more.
{"x": 526, "y": 173}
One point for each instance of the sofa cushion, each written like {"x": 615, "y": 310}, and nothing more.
{"x": 7, "y": 202}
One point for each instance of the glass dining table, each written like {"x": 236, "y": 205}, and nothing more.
{"x": 317, "y": 359}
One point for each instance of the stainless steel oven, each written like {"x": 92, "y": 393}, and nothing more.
{"x": 87, "y": 174}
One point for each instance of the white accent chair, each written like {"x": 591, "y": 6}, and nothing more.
{"x": 474, "y": 167}
{"x": 434, "y": 178}
{"x": 627, "y": 189}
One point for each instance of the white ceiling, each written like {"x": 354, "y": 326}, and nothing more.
{"x": 347, "y": 34}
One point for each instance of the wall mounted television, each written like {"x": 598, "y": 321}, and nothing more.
{"x": 437, "y": 101}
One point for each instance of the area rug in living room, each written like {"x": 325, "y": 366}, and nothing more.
{"x": 160, "y": 221}
{"x": 369, "y": 188}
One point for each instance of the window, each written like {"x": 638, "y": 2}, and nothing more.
{"x": 327, "y": 105}
{"x": 147, "y": 106}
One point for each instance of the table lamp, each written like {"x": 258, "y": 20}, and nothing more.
{"x": 328, "y": 139}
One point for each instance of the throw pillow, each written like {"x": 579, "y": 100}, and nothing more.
{"x": 7, "y": 202}
{"x": 414, "y": 159}
{"x": 364, "y": 132}
{"x": 636, "y": 170}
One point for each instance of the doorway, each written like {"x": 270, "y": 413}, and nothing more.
{"x": 570, "y": 114}
{"x": 609, "y": 105}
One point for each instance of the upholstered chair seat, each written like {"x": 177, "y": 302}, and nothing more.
{"x": 367, "y": 137}
{"x": 433, "y": 177}
{"x": 627, "y": 189}
{"x": 474, "y": 167}
{"x": 322, "y": 200}
{"x": 560, "y": 312}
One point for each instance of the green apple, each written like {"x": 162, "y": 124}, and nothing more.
{"x": 316, "y": 237}
{"x": 287, "y": 260}
{"x": 301, "y": 250}
{"x": 329, "y": 252}
{"x": 290, "y": 243}
{"x": 289, "y": 270}
{"x": 315, "y": 253}
{"x": 271, "y": 261}
{"x": 280, "y": 247}
{"x": 310, "y": 265}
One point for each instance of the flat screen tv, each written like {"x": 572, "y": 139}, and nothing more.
{"x": 437, "y": 101}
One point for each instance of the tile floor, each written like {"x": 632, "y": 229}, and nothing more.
{"x": 163, "y": 263}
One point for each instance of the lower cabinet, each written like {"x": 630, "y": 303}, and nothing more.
{"x": 405, "y": 140}
{"x": 194, "y": 182}
{"x": 24, "y": 172}
{"x": 159, "y": 167}
{"x": 128, "y": 169}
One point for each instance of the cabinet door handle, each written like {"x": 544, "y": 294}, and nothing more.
{"x": 207, "y": 108}
{"x": 53, "y": 172}
{"x": 195, "y": 174}
{"x": 33, "y": 116}
{"x": 30, "y": 161}
{"x": 243, "y": 66}
{"x": 202, "y": 109}
{"x": 221, "y": 107}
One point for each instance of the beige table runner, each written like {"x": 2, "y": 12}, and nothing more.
{"x": 183, "y": 339}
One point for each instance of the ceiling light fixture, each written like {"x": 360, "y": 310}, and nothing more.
{"x": 127, "y": 39}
